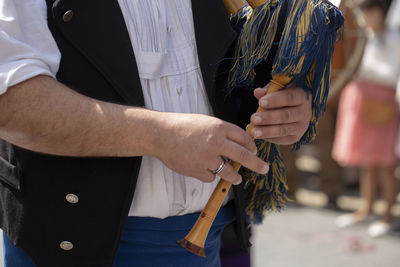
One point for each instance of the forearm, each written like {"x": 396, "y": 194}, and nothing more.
{"x": 43, "y": 115}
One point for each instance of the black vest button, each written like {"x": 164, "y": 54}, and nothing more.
{"x": 72, "y": 198}
{"x": 66, "y": 245}
{"x": 68, "y": 15}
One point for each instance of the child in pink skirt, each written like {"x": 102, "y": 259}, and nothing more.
{"x": 368, "y": 119}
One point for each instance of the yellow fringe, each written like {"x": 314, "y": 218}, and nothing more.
{"x": 250, "y": 49}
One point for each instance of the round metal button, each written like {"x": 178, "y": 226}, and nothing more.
{"x": 72, "y": 198}
{"x": 66, "y": 245}
{"x": 195, "y": 192}
{"x": 68, "y": 15}
{"x": 179, "y": 90}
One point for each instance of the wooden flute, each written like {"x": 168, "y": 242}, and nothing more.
{"x": 194, "y": 241}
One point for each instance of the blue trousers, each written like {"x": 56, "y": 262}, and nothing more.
{"x": 151, "y": 242}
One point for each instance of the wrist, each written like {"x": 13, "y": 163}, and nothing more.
{"x": 148, "y": 128}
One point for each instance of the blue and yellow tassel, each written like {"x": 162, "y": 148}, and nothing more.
{"x": 304, "y": 54}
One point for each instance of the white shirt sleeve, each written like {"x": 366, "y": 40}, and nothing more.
{"x": 27, "y": 48}
{"x": 393, "y": 18}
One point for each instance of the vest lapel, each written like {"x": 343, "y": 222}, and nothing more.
{"x": 214, "y": 35}
{"x": 104, "y": 26}
{"x": 113, "y": 55}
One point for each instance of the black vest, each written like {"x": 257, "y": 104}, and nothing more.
{"x": 98, "y": 61}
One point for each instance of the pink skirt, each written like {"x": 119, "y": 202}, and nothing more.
{"x": 362, "y": 141}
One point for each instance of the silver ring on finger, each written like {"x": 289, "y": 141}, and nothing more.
{"x": 221, "y": 166}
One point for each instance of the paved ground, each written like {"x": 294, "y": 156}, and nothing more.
{"x": 303, "y": 236}
{"x": 306, "y": 237}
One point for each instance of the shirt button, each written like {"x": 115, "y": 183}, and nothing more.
{"x": 68, "y": 16}
{"x": 168, "y": 29}
{"x": 179, "y": 90}
{"x": 66, "y": 245}
{"x": 195, "y": 192}
{"x": 72, "y": 198}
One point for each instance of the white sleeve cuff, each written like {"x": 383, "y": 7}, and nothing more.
{"x": 19, "y": 71}
{"x": 27, "y": 47}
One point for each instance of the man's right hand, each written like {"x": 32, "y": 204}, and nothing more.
{"x": 192, "y": 145}
{"x": 43, "y": 115}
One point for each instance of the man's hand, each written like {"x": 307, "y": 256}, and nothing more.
{"x": 192, "y": 144}
{"x": 70, "y": 124}
{"x": 287, "y": 116}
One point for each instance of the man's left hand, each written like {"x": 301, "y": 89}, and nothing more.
{"x": 287, "y": 116}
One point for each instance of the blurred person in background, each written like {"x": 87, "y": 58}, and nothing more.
{"x": 393, "y": 18}
{"x": 368, "y": 119}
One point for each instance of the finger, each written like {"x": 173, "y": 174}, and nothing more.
{"x": 238, "y": 135}
{"x": 274, "y": 131}
{"x": 229, "y": 174}
{"x": 260, "y": 92}
{"x": 244, "y": 157}
{"x": 279, "y": 116}
{"x": 284, "y": 98}
{"x": 207, "y": 176}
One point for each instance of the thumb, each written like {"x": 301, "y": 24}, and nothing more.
{"x": 260, "y": 92}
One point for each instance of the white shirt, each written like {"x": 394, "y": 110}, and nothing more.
{"x": 393, "y": 18}
{"x": 27, "y": 47}
{"x": 381, "y": 60}
{"x": 163, "y": 41}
